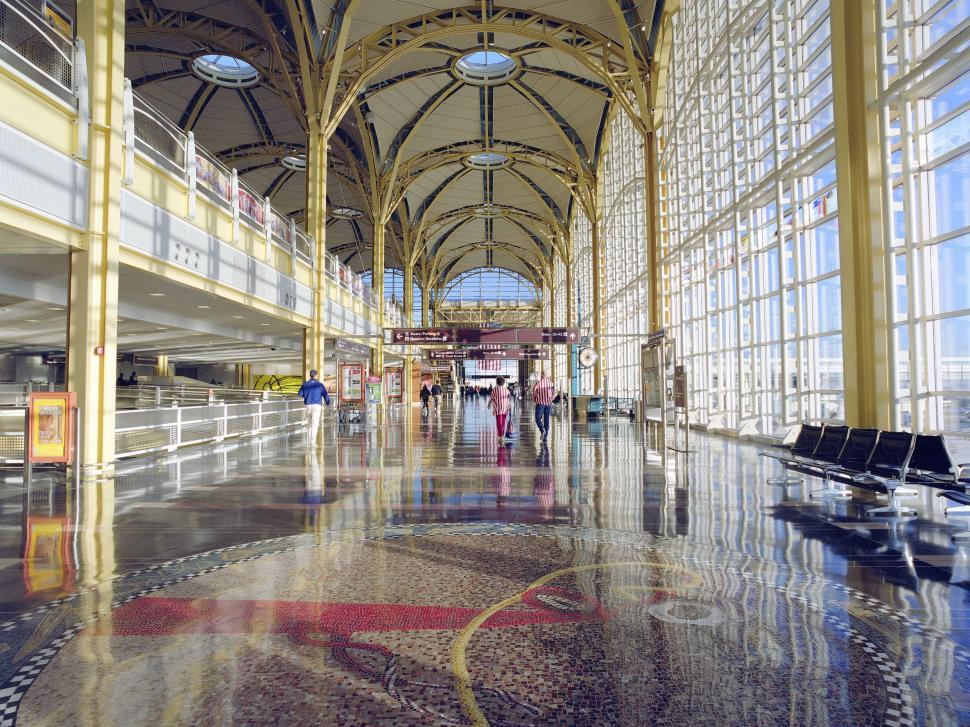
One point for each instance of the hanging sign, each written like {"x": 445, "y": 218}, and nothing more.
{"x": 535, "y": 336}
{"x": 394, "y": 380}
{"x": 51, "y": 426}
{"x": 351, "y": 382}
{"x": 488, "y": 354}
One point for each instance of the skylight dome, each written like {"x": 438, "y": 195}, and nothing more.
{"x": 295, "y": 161}
{"x": 346, "y": 213}
{"x": 487, "y": 160}
{"x": 225, "y": 70}
{"x": 486, "y": 67}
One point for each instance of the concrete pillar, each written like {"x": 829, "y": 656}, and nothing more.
{"x": 93, "y": 286}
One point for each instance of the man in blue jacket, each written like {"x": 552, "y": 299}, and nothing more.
{"x": 314, "y": 394}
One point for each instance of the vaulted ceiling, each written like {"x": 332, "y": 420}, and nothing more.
{"x": 403, "y": 121}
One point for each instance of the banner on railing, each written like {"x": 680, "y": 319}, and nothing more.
{"x": 51, "y": 427}
{"x": 211, "y": 176}
{"x": 250, "y": 206}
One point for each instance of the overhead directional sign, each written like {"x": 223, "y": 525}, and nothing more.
{"x": 555, "y": 336}
{"x": 490, "y": 354}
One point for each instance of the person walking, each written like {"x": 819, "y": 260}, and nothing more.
{"x": 314, "y": 394}
{"x": 436, "y": 392}
{"x": 500, "y": 403}
{"x": 425, "y": 396}
{"x": 542, "y": 394}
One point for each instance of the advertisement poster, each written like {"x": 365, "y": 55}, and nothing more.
{"x": 394, "y": 378}
{"x": 374, "y": 389}
{"x": 351, "y": 382}
{"x": 51, "y": 426}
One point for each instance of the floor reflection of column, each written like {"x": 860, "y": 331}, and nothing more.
{"x": 96, "y": 554}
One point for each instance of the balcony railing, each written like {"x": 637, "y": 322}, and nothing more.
{"x": 36, "y": 49}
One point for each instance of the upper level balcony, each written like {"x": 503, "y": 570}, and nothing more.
{"x": 185, "y": 214}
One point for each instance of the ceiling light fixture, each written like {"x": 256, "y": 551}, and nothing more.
{"x": 157, "y": 295}
{"x": 203, "y": 307}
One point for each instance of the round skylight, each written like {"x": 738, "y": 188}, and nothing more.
{"x": 486, "y": 67}
{"x": 488, "y": 211}
{"x": 296, "y": 162}
{"x": 225, "y": 70}
{"x": 487, "y": 160}
{"x": 346, "y": 213}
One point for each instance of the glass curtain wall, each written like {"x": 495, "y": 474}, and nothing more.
{"x": 925, "y": 115}
{"x": 623, "y": 259}
{"x": 490, "y": 285}
{"x": 394, "y": 287}
{"x": 749, "y": 214}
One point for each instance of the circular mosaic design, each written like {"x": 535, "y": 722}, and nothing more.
{"x": 481, "y": 624}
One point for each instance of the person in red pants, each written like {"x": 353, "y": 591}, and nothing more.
{"x": 500, "y": 402}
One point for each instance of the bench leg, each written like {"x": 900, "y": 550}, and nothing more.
{"x": 895, "y": 507}
{"x": 834, "y": 489}
{"x": 784, "y": 480}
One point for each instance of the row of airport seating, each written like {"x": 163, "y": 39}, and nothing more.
{"x": 875, "y": 460}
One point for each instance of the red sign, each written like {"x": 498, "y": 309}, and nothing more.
{"x": 564, "y": 336}
{"x": 490, "y": 354}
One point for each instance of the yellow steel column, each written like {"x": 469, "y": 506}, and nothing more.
{"x": 597, "y": 323}
{"x": 314, "y": 341}
{"x": 409, "y": 319}
{"x": 652, "y": 184}
{"x": 161, "y": 368}
{"x": 93, "y": 288}
{"x": 570, "y": 312}
{"x": 865, "y": 329}
{"x": 377, "y": 283}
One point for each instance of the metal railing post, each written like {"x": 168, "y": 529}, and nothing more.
{"x": 234, "y": 201}
{"x": 83, "y": 99}
{"x": 225, "y": 420}
{"x": 268, "y": 228}
{"x": 128, "y": 127}
{"x": 178, "y": 427}
{"x": 191, "y": 174}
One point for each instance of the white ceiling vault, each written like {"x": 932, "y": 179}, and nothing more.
{"x": 407, "y": 116}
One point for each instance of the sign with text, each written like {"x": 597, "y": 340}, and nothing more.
{"x": 351, "y": 382}
{"x": 394, "y": 381}
{"x": 522, "y": 336}
{"x": 680, "y": 387}
{"x": 51, "y": 426}
{"x": 351, "y": 348}
{"x": 490, "y": 354}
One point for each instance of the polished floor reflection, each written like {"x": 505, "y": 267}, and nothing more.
{"x": 425, "y": 572}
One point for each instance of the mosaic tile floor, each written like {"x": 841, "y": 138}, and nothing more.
{"x": 425, "y": 574}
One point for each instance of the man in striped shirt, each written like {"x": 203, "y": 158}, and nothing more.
{"x": 542, "y": 394}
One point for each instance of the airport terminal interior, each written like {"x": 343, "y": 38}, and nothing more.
{"x": 495, "y": 362}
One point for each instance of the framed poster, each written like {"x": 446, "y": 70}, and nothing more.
{"x": 373, "y": 389}
{"x": 394, "y": 378}
{"x": 50, "y": 422}
{"x": 351, "y": 382}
